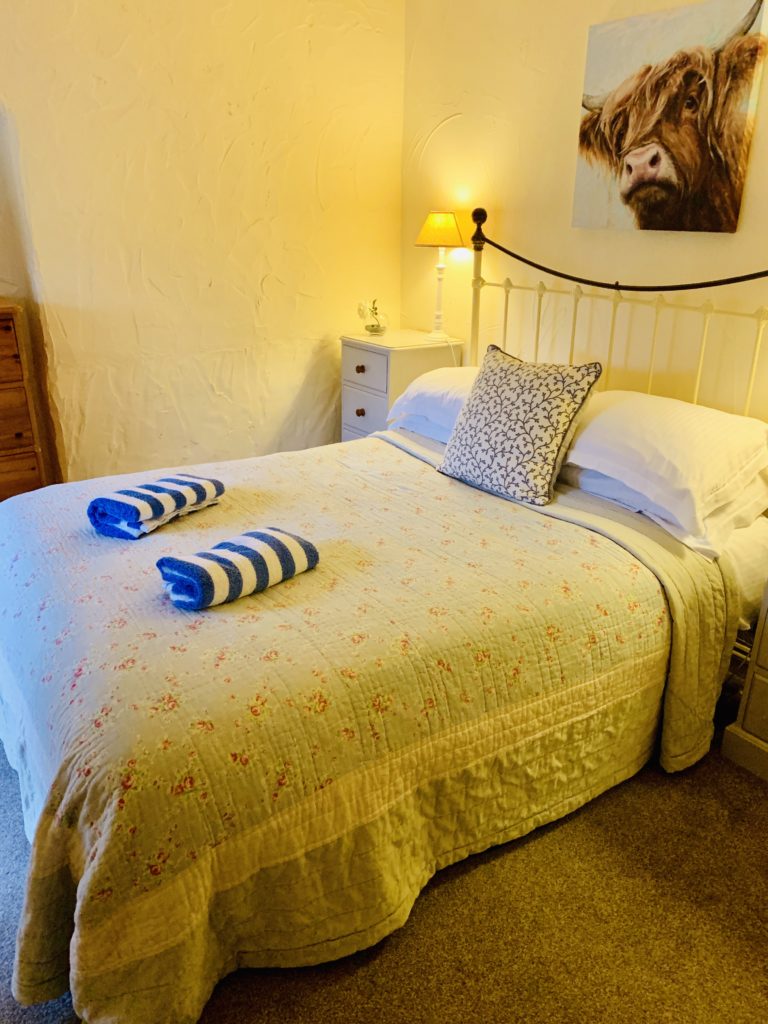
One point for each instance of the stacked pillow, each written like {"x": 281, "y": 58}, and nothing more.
{"x": 430, "y": 405}
{"x": 698, "y": 472}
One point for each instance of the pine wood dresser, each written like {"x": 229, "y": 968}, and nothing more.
{"x": 23, "y": 465}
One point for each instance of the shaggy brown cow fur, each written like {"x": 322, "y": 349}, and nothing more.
{"x": 675, "y": 137}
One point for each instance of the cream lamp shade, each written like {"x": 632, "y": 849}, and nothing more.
{"x": 440, "y": 229}
{"x": 441, "y": 232}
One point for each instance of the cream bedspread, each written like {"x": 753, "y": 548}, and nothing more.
{"x": 272, "y": 782}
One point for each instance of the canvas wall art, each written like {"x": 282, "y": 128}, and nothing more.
{"x": 667, "y": 113}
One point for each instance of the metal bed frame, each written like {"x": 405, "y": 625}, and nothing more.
{"x": 620, "y": 298}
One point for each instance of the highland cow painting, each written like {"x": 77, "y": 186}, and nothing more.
{"x": 667, "y": 112}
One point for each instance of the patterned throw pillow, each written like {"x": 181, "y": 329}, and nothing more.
{"x": 515, "y": 427}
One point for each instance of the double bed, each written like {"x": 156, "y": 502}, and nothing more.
{"x": 272, "y": 781}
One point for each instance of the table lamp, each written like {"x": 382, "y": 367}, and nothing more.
{"x": 441, "y": 232}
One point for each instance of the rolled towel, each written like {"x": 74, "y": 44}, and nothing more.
{"x": 133, "y": 511}
{"x": 235, "y": 568}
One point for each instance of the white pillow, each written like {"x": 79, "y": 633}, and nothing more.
{"x": 436, "y": 399}
{"x": 422, "y": 425}
{"x": 748, "y": 551}
{"x": 701, "y": 468}
{"x": 719, "y": 526}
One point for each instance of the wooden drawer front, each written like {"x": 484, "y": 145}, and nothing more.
{"x": 756, "y": 711}
{"x": 10, "y": 360}
{"x": 363, "y": 368}
{"x": 761, "y": 655}
{"x": 363, "y": 411}
{"x": 15, "y": 424}
{"x": 18, "y": 473}
{"x": 347, "y": 434}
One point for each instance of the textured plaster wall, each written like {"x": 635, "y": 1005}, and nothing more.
{"x": 209, "y": 188}
{"x": 14, "y": 281}
{"x": 197, "y": 195}
{"x": 493, "y": 103}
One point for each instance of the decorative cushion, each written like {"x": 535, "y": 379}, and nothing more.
{"x": 515, "y": 426}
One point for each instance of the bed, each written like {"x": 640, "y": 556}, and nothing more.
{"x": 272, "y": 781}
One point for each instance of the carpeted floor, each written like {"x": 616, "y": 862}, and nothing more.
{"x": 648, "y": 906}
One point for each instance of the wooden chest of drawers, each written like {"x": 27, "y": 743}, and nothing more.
{"x": 376, "y": 370}
{"x": 746, "y": 741}
{"x": 22, "y": 466}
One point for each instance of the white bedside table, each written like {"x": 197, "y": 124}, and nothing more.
{"x": 746, "y": 740}
{"x": 376, "y": 369}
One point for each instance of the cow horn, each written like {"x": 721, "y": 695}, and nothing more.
{"x": 746, "y": 23}
{"x": 595, "y": 103}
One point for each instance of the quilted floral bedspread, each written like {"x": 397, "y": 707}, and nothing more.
{"x": 272, "y": 781}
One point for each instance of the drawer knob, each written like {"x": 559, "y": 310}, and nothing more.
{"x": 5, "y": 327}
{"x": 360, "y": 368}
{"x": 359, "y": 412}
{"x": 19, "y": 433}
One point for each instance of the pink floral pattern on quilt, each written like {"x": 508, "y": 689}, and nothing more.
{"x": 148, "y": 739}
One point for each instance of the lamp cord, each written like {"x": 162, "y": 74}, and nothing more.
{"x": 479, "y": 239}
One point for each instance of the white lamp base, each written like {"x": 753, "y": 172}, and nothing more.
{"x": 437, "y": 333}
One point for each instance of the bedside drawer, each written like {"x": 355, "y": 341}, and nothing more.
{"x": 15, "y": 424}
{"x": 363, "y": 368}
{"x": 756, "y": 711}
{"x": 18, "y": 473}
{"x": 761, "y": 654}
{"x": 10, "y": 360}
{"x": 347, "y": 434}
{"x": 362, "y": 411}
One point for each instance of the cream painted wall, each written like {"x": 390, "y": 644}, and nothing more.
{"x": 493, "y": 93}
{"x": 210, "y": 188}
{"x": 14, "y": 278}
{"x": 198, "y": 195}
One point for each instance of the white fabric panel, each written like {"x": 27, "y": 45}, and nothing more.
{"x": 748, "y": 551}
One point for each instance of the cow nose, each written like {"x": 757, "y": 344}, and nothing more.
{"x": 643, "y": 164}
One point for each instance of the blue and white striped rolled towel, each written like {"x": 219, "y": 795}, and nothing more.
{"x": 133, "y": 511}
{"x": 235, "y": 568}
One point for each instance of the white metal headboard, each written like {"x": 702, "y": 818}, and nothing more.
{"x": 576, "y": 311}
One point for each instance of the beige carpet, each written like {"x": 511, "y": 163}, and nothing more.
{"x": 648, "y": 906}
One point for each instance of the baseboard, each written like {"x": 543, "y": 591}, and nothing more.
{"x": 746, "y": 750}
